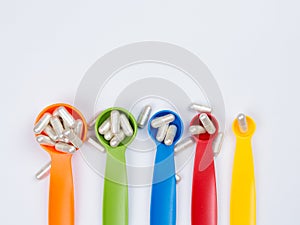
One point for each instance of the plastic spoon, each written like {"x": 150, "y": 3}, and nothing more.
{"x": 243, "y": 196}
{"x": 115, "y": 196}
{"x": 61, "y": 192}
{"x": 204, "y": 194}
{"x": 163, "y": 199}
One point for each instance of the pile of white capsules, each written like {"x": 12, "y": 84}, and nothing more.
{"x": 208, "y": 126}
{"x": 116, "y": 128}
{"x": 60, "y": 130}
{"x": 166, "y": 132}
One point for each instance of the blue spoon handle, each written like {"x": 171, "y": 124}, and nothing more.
{"x": 163, "y": 199}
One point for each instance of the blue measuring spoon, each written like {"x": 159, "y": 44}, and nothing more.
{"x": 163, "y": 198}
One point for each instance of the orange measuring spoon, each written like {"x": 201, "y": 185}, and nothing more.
{"x": 61, "y": 191}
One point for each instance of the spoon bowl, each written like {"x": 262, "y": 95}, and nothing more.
{"x": 74, "y": 112}
{"x": 104, "y": 116}
{"x": 177, "y": 122}
{"x": 206, "y": 136}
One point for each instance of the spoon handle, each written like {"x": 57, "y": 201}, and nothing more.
{"x": 204, "y": 194}
{"x": 163, "y": 198}
{"x": 115, "y": 195}
{"x": 243, "y": 195}
{"x": 61, "y": 192}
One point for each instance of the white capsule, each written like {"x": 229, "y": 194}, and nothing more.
{"x": 108, "y": 135}
{"x": 55, "y": 113}
{"x": 171, "y": 133}
{"x": 242, "y": 121}
{"x": 184, "y": 144}
{"x": 125, "y": 125}
{"x": 43, "y": 172}
{"x": 79, "y": 128}
{"x": 96, "y": 144}
{"x": 66, "y": 116}
{"x": 57, "y": 126}
{"x": 42, "y": 123}
{"x": 161, "y": 132}
{"x": 51, "y": 133}
{"x": 144, "y": 117}
{"x": 177, "y": 178}
{"x": 159, "y": 121}
{"x": 117, "y": 139}
{"x": 200, "y": 108}
{"x": 44, "y": 140}
{"x": 217, "y": 144}
{"x": 196, "y": 129}
{"x": 207, "y": 123}
{"x": 105, "y": 126}
{"x": 115, "y": 121}
{"x": 65, "y": 148}
{"x": 64, "y": 140}
{"x": 92, "y": 122}
{"x": 74, "y": 139}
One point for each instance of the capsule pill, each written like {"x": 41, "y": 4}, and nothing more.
{"x": 184, "y": 144}
{"x": 66, "y": 116}
{"x": 43, "y": 172}
{"x": 51, "y": 133}
{"x": 177, "y": 178}
{"x": 92, "y": 122}
{"x": 161, "y": 132}
{"x": 196, "y": 129}
{"x": 171, "y": 133}
{"x": 42, "y": 123}
{"x": 96, "y": 144}
{"x": 65, "y": 148}
{"x": 207, "y": 123}
{"x": 105, "y": 126}
{"x": 117, "y": 139}
{"x": 44, "y": 140}
{"x": 158, "y": 122}
{"x": 125, "y": 125}
{"x": 115, "y": 121}
{"x": 74, "y": 139}
{"x": 200, "y": 108}
{"x": 57, "y": 126}
{"x": 108, "y": 135}
{"x": 64, "y": 140}
{"x": 217, "y": 144}
{"x": 78, "y": 128}
{"x": 144, "y": 116}
{"x": 242, "y": 121}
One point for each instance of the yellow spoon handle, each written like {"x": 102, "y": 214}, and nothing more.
{"x": 243, "y": 194}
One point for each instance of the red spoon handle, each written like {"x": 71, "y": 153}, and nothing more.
{"x": 204, "y": 195}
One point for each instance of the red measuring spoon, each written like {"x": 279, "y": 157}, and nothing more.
{"x": 204, "y": 194}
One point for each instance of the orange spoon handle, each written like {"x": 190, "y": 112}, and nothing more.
{"x": 61, "y": 193}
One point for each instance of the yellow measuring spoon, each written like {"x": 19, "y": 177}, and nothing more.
{"x": 243, "y": 194}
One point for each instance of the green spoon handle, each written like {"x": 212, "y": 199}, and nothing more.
{"x": 115, "y": 196}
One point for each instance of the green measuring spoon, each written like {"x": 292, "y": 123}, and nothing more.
{"x": 115, "y": 195}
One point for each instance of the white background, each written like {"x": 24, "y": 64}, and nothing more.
{"x": 251, "y": 47}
